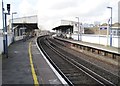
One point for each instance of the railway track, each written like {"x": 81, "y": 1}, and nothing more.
{"x": 71, "y": 70}
{"x": 114, "y": 78}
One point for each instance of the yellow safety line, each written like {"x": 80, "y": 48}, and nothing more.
{"x": 32, "y": 67}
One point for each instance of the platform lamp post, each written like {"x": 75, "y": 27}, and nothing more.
{"x": 78, "y": 27}
{"x": 110, "y": 27}
{"x": 12, "y": 26}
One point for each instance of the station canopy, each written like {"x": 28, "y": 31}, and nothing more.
{"x": 63, "y": 27}
{"x": 29, "y": 26}
{"x": 30, "y": 22}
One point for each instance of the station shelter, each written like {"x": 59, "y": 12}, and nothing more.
{"x": 64, "y": 31}
{"x": 24, "y": 26}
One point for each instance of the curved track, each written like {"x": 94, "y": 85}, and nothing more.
{"x": 71, "y": 69}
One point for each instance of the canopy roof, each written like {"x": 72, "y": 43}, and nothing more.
{"x": 63, "y": 27}
{"x": 27, "y": 25}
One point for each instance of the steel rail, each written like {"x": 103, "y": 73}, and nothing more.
{"x": 72, "y": 61}
{"x": 88, "y": 61}
{"x": 74, "y": 65}
{"x": 62, "y": 74}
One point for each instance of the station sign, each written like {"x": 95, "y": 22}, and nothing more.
{"x": 103, "y": 28}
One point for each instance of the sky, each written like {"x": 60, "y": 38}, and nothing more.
{"x": 51, "y": 12}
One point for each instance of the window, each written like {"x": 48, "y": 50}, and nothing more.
{"x": 118, "y": 32}
{"x": 114, "y": 32}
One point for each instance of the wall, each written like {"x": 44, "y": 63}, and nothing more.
{"x": 102, "y": 39}
{"x": 1, "y": 42}
{"x": 18, "y": 38}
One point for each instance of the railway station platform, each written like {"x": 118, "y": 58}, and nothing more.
{"x": 115, "y": 52}
{"x": 26, "y": 65}
{"x": 97, "y": 46}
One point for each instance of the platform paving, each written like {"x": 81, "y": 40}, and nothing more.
{"x": 45, "y": 74}
{"x": 16, "y": 69}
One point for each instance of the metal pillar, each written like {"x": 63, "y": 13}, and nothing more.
{"x": 108, "y": 31}
{"x": 111, "y": 30}
{"x": 13, "y": 34}
{"x": 5, "y": 34}
{"x": 78, "y": 28}
{"x": 12, "y": 29}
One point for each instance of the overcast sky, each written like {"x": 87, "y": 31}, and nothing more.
{"x": 51, "y": 12}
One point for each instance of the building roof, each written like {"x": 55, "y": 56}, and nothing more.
{"x": 26, "y": 19}
{"x": 63, "y": 27}
{"x": 115, "y": 28}
{"x": 28, "y": 25}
